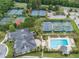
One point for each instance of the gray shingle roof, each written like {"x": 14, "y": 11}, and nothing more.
{"x": 24, "y": 41}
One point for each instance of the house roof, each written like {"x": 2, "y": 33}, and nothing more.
{"x": 23, "y": 41}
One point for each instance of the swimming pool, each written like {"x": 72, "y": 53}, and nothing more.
{"x": 58, "y": 42}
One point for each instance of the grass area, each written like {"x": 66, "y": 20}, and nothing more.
{"x": 75, "y": 26}
{"x": 34, "y": 54}
{"x": 51, "y": 55}
{"x": 10, "y": 47}
{"x": 57, "y": 19}
{"x": 77, "y": 31}
{"x": 38, "y": 54}
{"x": 2, "y": 35}
{"x": 57, "y": 55}
{"x": 44, "y": 7}
{"x": 64, "y": 20}
{"x": 20, "y": 5}
{"x": 1, "y": 39}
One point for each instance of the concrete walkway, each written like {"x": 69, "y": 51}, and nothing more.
{"x": 29, "y": 57}
{"x": 5, "y": 47}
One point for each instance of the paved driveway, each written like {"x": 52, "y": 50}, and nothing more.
{"x": 3, "y": 50}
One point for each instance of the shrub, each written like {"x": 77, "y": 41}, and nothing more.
{"x": 11, "y": 28}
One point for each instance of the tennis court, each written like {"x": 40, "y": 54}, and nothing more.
{"x": 5, "y": 20}
{"x": 38, "y": 13}
{"x": 15, "y": 12}
{"x": 62, "y": 26}
{"x": 57, "y": 26}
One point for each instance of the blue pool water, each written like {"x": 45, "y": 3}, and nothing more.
{"x": 55, "y": 43}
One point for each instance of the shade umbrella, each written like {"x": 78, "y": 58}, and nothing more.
{"x": 64, "y": 50}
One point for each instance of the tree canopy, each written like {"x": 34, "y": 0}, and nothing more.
{"x": 70, "y": 3}
{"x": 4, "y": 6}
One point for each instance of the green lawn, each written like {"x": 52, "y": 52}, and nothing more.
{"x": 34, "y": 54}
{"x": 77, "y": 33}
{"x": 20, "y": 5}
{"x": 75, "y": 26}
{"x": 57, "y": 55}
{"x": 38, "y": 54}
{"x": 1, "y": 39}
{"x": 10, "y": 47}
{"x": 2, "y": 35}
{"x": 51, "y": 55}
{"x": 56, "y": 19}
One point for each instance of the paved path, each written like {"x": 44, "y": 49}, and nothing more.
{"x": 3, "y": 48}
{"x": 29, "y": 57}
{"x": 32, "y": 57}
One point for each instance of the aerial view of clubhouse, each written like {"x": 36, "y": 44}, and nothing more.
{"x": 39, "y": 29}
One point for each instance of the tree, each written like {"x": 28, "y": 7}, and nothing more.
{"x": 35, "y": 3}
{"x": 29, "y": 22}
{"x": 46, "y": 2}
{"x": 50, "y": 7}
{"x": 11, "y": 28}
{"x": 4, "y": 6}
{"x": 22, "y": 25}
{"x": 56, "y": 8}
{"x": 29, "y": 5}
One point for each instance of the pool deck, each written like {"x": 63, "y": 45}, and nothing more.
{"x": 70, "y": 41}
